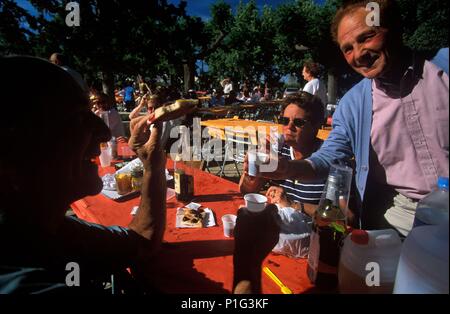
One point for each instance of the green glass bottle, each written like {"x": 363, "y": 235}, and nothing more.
{"x": 328, "y": 229}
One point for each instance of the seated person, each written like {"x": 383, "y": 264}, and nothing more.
{"x": 36, "y": 237}
{"x": 217, "y": 99}
{"x": 232, "y": 100}
{"x": 245, "y": 95}
{"x": 301, "y": 118}
{"x": 102, "y": 106}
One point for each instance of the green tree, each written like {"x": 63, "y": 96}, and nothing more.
{"x": 425, "y": 24}
{"x": 14, "y": 35}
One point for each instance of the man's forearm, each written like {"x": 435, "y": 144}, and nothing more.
{"x": 135, "y": 112}
{"x": 150, "y": 220}
{"x": 300, "y": 170}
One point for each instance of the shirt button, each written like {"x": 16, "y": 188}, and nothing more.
{"x": 364, "y": 168}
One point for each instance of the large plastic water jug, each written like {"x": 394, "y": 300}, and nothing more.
{"x": 368, "y": 261}
{"x": 433, "y": 209}
{"x": 423, "y": 264}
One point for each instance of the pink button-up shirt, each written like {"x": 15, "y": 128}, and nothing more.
{"x": 410, "y": 134}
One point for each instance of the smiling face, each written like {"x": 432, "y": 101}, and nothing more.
{"x": 364, "y": 47}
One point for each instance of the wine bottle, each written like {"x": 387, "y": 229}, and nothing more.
{"x": 328, "y": 229}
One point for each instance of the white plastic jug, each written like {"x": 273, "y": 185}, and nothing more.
{"x": 423, "y": 265}
{"x": 368, "y": 261}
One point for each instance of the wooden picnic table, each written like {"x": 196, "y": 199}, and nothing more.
{"x": 195, "y": 260}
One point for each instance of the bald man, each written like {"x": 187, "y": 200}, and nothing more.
{"x": 61, "y": 60}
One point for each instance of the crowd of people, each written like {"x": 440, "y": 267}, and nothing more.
{"x": 393, "y": 126}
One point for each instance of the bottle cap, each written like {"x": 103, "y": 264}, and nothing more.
{"x": 359, "y": 236}
{"x": 442, "y": 183}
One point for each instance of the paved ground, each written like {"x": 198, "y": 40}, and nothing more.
{"x": 230, "y": 172}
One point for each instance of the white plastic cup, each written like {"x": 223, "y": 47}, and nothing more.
{"x": 255, "y": 202}
{"x": 229, "y": 222}
{"x": 255, "y": 160}
{"x": 105, "y": 157}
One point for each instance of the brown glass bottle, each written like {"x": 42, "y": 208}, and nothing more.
{"x": 183, "y": 182}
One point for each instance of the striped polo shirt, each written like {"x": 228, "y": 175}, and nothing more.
{"x": 304, "y": 192}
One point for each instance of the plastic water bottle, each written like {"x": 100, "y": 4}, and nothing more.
{"x": 423, "y": 265}
{"x": 433, "y": 209}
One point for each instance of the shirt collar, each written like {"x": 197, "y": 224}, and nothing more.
{"x": 409, "y": 79}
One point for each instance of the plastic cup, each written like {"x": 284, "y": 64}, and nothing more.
{"x": 255, "y": 160}
{"x": 123, "y": 183}
{"x": 105, "y": 157}
{"x": 229, "y": 222}
{"x": 255, "y": 203}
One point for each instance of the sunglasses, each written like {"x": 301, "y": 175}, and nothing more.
{"x": 298, "y": 122}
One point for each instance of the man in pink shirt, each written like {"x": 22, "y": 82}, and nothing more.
{"x": 394, "y": 122}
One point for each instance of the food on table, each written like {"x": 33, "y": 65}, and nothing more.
{"x": 193, "y": 218}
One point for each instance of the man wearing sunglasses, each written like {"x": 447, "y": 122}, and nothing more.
{"x": 394, "y": 123}
{"x": 301, "y": 118}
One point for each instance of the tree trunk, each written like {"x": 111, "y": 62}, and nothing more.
{"x": 188, "y": 75}
{"x": 332, "y": 86}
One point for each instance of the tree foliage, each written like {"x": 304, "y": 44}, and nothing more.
{"x": 160, "y": 40}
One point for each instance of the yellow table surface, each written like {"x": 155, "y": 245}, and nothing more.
{"x": 216, "y": 128}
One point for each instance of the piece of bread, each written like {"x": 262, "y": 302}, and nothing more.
{"x": 193, "y": 218}
{"x": 173, "y": 111}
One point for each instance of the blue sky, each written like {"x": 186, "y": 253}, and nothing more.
{"x": 201, "y": 8}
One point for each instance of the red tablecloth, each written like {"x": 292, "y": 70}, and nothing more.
{"x": 196, "y": 260}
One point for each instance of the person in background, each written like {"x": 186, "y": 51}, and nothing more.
{"x": 227, "y": 85}
{"x": 143, "y": 86}
{"x": 267, "y": 92}
{"x": 103, "y": 108}
{"x": 128, "y": 96}
{"x": 394, "y": 123}
{"x": 232, "y": 99}
{"x": 61, "y": 60}
{"x": 217, "y": 99}
{"x": 301, "y": 118}
{"x": 245, "y": 95}
{"x": 314, "y": 85}
{"x": 191, "y": 94}
{"x": 256, "y": 95}
{"x": 149, "y": 102}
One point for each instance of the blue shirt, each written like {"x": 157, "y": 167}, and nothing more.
{"x": 129, "y": 93}
{"x": 352, "y": 123}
